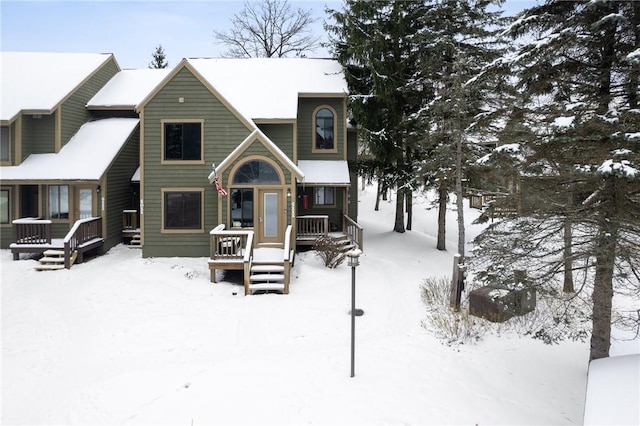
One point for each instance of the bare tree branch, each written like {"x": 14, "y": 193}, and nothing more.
{"x": 269, "y": 28}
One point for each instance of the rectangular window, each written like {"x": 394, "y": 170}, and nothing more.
{"x": 242, "y": 207}
{"x": 183, "y": 141}
{"x": 58, "y": 202}
{"x": 183, "y": 210}
{"x": 4, "y": 206}
{"x": 324, "y": 196}
{"x": 4, "y": 144}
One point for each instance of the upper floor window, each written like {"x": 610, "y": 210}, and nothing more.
{"x": 59, "y": 202}
{"x": 183, "y": 141}
{"x": 325, "y": 126}
{"x": 4, "y": 144}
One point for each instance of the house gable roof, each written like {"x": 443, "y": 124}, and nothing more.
{"x": 257, "y": 136}
{"x": 127, "y": 89}
{"x": 184, "y": 64}
{"x": 269, "y": 88}
{"x": 38, "y": 82}
{"x": 86, "y": 157}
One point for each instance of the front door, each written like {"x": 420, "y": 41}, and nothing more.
{"x": 84, "y": 203}
{"x": 269, "y": 224}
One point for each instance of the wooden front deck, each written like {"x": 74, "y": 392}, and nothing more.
{"x": 33, "y": 236}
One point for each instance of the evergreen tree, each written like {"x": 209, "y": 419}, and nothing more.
{"x": 470, "y": 85}
{"x": 159, "y": 58}
{"x": 379, "y": 45}
{"x": 580, "y": 173}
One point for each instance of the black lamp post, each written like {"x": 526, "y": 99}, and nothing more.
{"x": 353, "y": 256}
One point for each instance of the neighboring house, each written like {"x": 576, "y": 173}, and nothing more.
{"x": 58, "y": 168}
{"x": 275, "y": 129}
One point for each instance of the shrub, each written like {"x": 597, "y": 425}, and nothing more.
{"x": 453, "y": 327}
{"x": 330, "y": 251}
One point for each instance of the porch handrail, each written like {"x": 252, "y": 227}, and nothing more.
{"x": 312, "y": 226}
{"x": 30, "y": 230}
{"x": 287, "y": 258}
{"x": 353, "y": 230}
{"x": 82, "y": 231}
{"x": 230, "y": 245}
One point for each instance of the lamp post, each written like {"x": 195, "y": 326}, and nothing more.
{"x": 353, "y": 256}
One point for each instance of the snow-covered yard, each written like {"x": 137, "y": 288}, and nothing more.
{"x": 126, "y": 340}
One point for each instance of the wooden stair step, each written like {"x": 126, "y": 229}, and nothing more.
{"x": 267, "y": 268}
{"x": 49, "y": 267}
{"x": 52, "y": 252}
{"x": 266, "y": 277}
{"x": 267, "y": 286}
{"x": 52, "y": 260}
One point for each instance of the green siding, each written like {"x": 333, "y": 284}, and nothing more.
{"x": 74, "y": 111}
{"x": 38, "y": 135}
{"x": 352, "y": 155}
{"x": 281, "y": 135}
{"x": 306, "y": 107}
{"x": 119, "y": 191}
{"x": 223, "y": 132}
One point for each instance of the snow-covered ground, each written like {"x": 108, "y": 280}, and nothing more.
{"x": 125, "y": 340}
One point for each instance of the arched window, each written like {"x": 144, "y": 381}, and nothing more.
{"x": 256, "y": 172}
{"x": 324, "y": 124}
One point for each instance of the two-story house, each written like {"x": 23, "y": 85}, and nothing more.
{"x": 231, "y": 152}
{"x": 58, "y": 167}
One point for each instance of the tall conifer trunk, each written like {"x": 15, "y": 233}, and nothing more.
{"x": 605, "y": 260}
{"x": 442, "y": 216}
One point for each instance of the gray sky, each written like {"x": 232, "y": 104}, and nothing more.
{"x": 132, "y": 29}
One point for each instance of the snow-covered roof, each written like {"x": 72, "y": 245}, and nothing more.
{"x": 613, "y": 391}
{"x": 256, "y": 135}
{"x": 128, "y": 88}
{"x": 268, "y": 88}
{"x": 325, "y": 172}
{"x": 33, "y": 81}
{"x": 85, "y": 157}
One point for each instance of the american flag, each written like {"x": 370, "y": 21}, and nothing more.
{"x": 219, "y": 187}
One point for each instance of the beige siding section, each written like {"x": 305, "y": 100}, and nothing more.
{"x": 223, "y": 132}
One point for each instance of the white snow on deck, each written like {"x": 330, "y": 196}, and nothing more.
{"x": 85, "y": 157}
{"x": 325, "y": 172}
{"x": 128, "y": 88}
{"x": 266, "y": 88}
{"x": 39, "y": 81}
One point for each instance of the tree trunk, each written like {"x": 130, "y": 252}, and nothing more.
{"x": 409, "y": 207}
{"x": 568, "y": 242}
{"x": 442, "y": 217}
{"x": 605, "y": 261}
{"x": 378, "y": 192}
{"x": 399, "y": 223}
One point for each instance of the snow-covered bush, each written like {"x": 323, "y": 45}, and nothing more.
{"x": 330, "y": 251}
{"x": 452, "y": 327}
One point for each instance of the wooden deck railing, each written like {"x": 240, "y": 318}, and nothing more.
{"x": 83, "y": 232}
{"x": 129, "y": 219}
{"x": 310, "y": 227}
{"x": 287, "y": 258}
{"x": 353, "y": 231}
{"x": 31, "y": 231}
{"x": 230, "y": 250}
